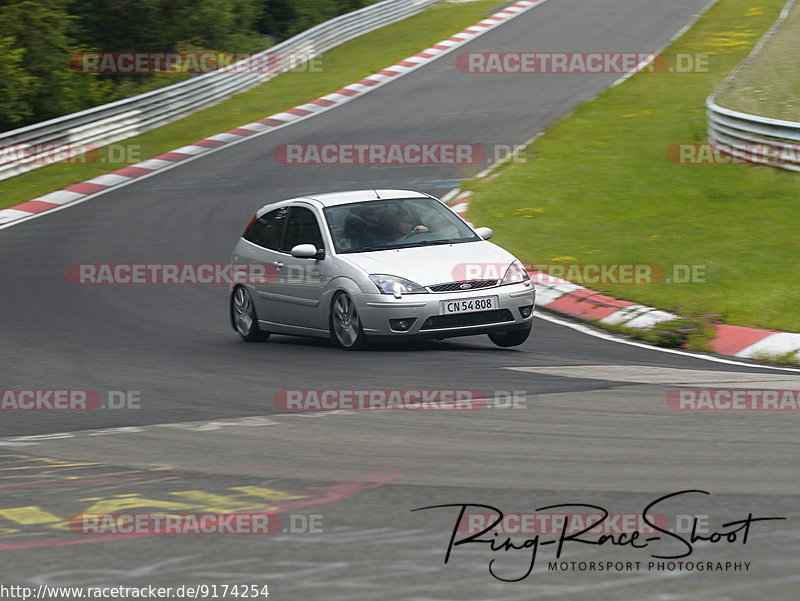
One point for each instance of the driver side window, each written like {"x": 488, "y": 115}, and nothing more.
{"x": 266, "y": 231}
{"x": 302, "y": 228}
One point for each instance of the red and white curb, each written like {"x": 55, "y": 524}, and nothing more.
{"x": 754, "y": 342}
{"x": 77, "y": 193}
{"x": 562, "y": 296}
{"x": 578, "y": 301}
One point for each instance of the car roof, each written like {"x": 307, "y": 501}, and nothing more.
{"x": 330, "y": 199}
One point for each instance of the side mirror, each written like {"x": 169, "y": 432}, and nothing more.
{"x": 307, "y": 251}
{"x": 484, "y": 232}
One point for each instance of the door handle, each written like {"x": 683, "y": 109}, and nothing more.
{"x": 278, "y": 264}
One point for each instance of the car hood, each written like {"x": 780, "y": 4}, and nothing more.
{"x": 428, "y": 265}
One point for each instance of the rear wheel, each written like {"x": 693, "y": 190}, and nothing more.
{"x": 512, "y": 338}
{"x": 244, "y": 318}
{"x": 345, "y": 326}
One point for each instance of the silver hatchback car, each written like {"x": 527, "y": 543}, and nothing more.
{"x": 375, "y": 265}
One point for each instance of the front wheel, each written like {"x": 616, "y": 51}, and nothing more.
{"x": 345, "y": 326}
{"x": 512, "y": 338}
{"x": 244, "y": 318}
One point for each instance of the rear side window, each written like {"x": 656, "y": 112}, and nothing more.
{"x": 267, "y": 230}
{"x": 302, "y": 228}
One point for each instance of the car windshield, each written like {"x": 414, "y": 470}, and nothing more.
{"x": 397, "y": 223}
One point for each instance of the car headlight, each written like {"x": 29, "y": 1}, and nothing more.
{"x": 390, "y": 284}
{"x": 515, "y": 274}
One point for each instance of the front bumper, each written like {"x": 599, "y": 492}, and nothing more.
{"x": 376, "y": 311}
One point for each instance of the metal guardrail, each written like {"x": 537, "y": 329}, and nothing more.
{"x": 754, "y": 139}
{"x": 71, "y": 135}
{"x": 759, "y": 140}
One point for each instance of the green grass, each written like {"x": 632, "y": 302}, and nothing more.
{"x": 770, "y": 84}
{"x": 340, "y": 67}
{"x": 786, "y": 359}
{"x": 598, "y": 188}
{"x": 695, "y": 333}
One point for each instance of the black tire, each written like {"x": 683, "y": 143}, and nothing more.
{"x": 510, "y": 338}
{"x": 243, "y": 316}
{"x": 344, "y": 325}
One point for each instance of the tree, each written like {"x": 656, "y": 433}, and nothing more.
{"x": 40, "y": 29}
{"x": 15, "y": 86}
{"x": 38, "y": 37}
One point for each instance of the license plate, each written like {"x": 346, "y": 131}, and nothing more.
{"x": 468, "y": 305}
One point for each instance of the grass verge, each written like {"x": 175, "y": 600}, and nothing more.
{"x": 790, "y": 359}
{"x": 340, "y": 67}
{"x": 694, "y": 332}
{"x": 598, "y": 187}
{"x": 769, "y": 85}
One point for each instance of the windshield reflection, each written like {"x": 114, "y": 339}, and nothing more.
{"x": 397, "y": 223}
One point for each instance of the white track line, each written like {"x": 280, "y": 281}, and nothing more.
{"x": 611, "y": 338}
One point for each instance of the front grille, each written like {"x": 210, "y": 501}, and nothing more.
{"x": 460, "y": 320}
{"x": 456, "y": 286}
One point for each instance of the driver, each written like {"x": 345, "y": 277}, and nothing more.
{"x": 400, "y": 226}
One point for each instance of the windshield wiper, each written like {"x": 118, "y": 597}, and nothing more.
{"x": 414, "y": 245}
{"x": 371, "y": 248}
{"x": 435, "y": 242}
